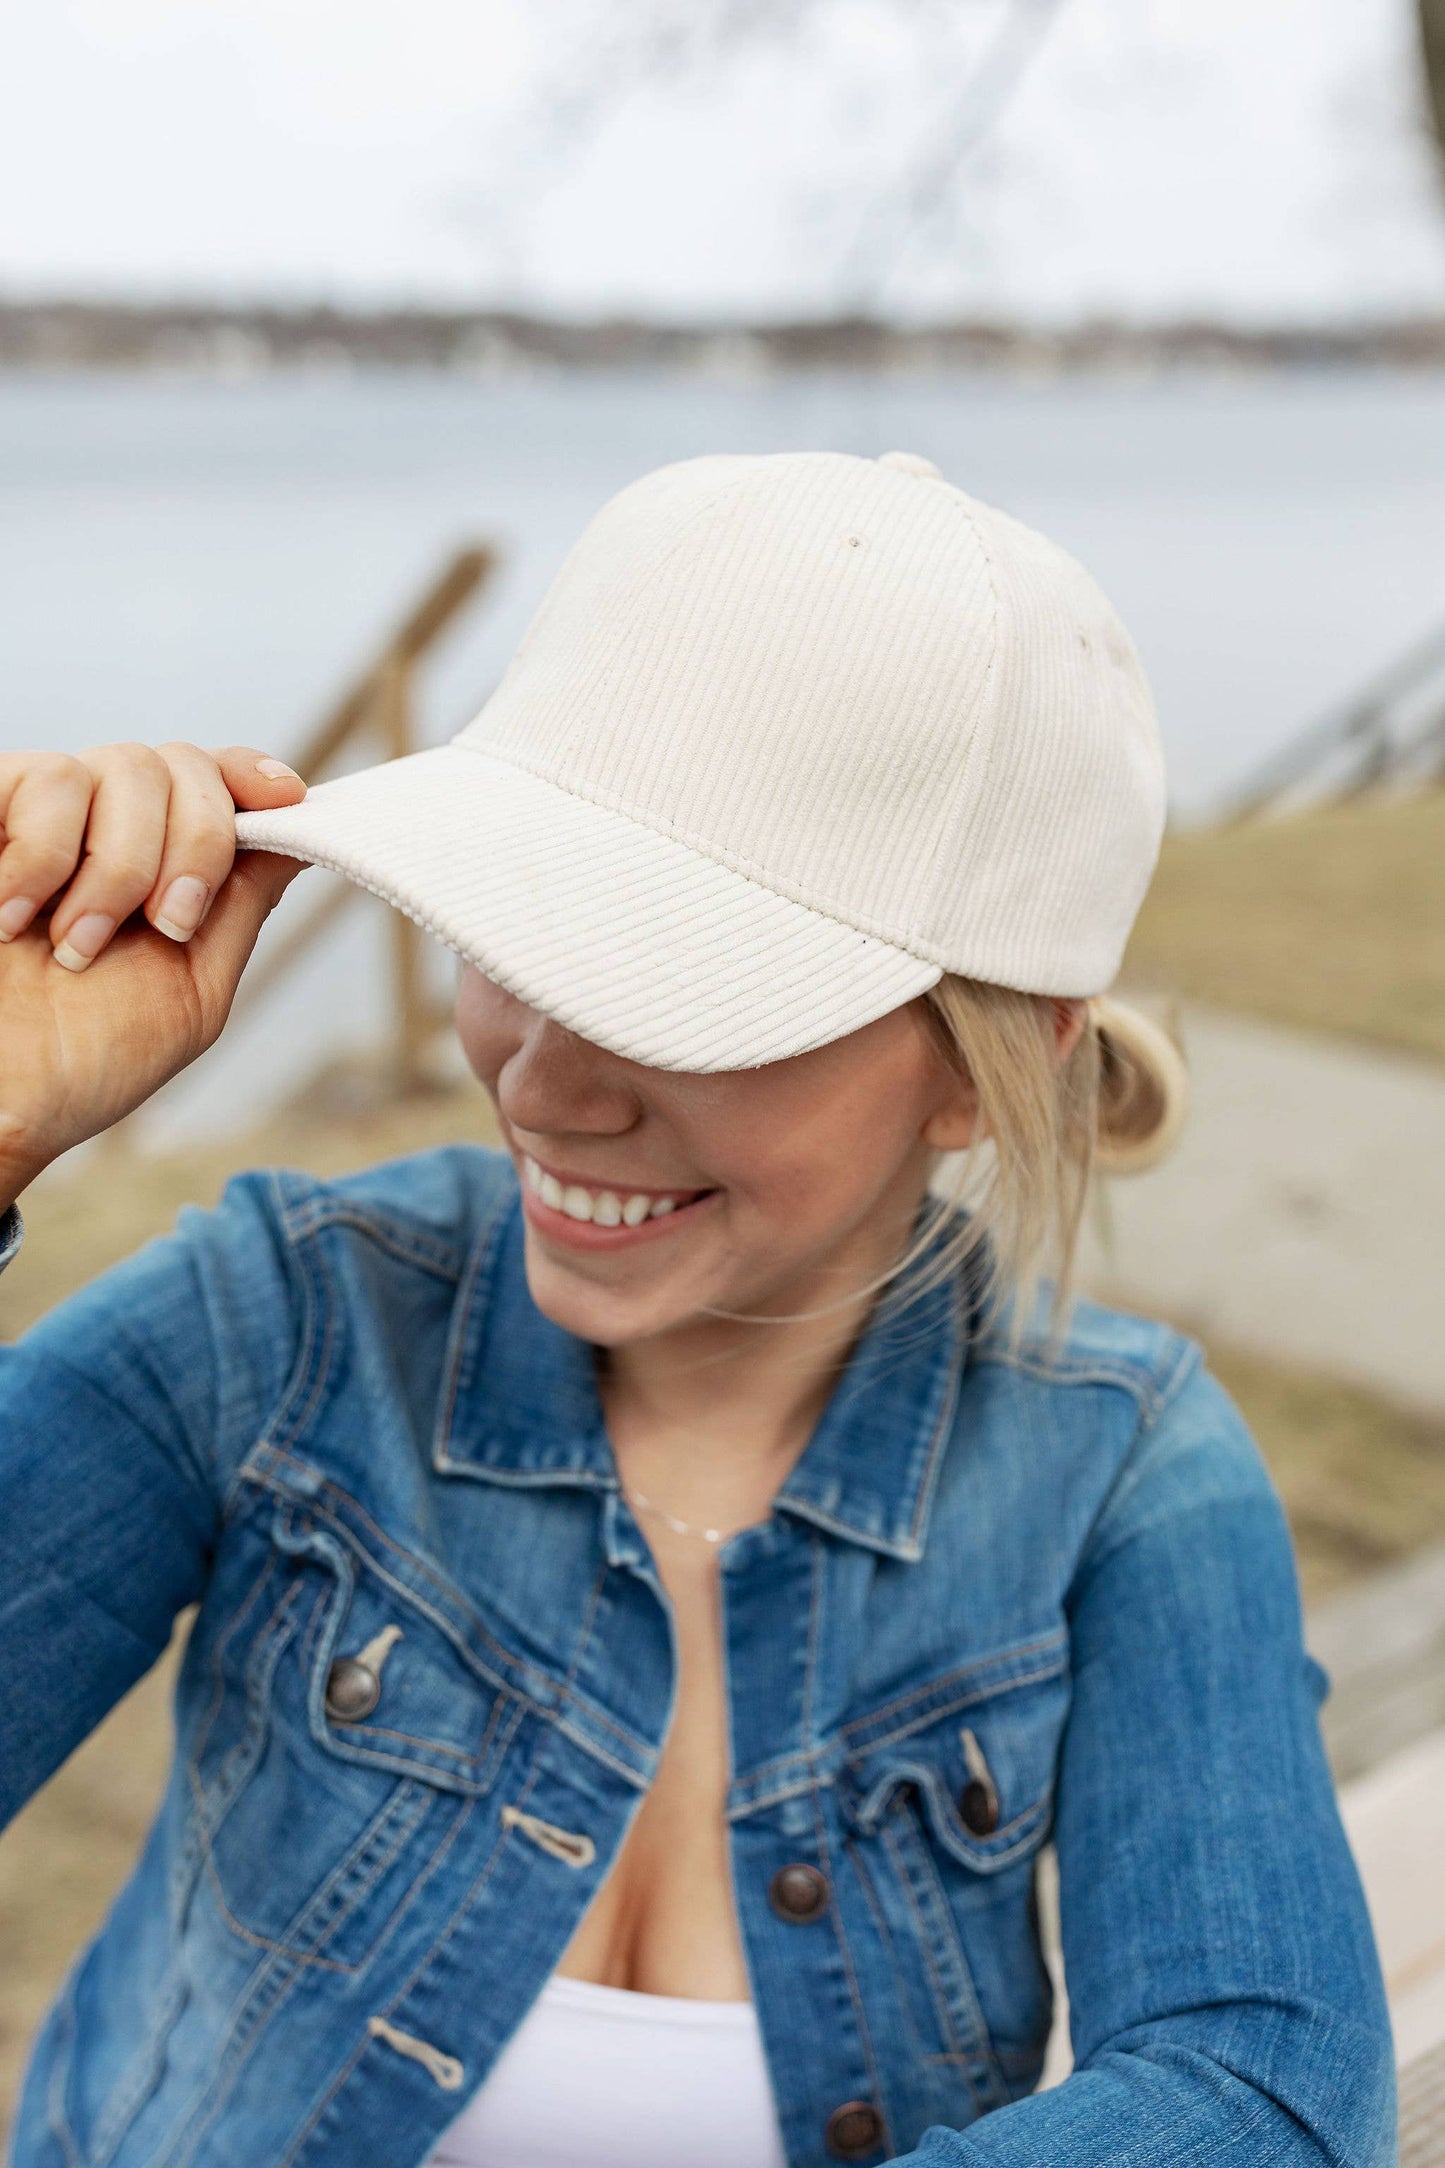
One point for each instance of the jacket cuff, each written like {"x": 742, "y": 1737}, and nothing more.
{"x": 12, "y": 1234}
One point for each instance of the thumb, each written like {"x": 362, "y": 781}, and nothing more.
{"x": 220, "y": 949}
{"x": 268, "y": 873}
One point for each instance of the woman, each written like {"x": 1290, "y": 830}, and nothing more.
{"x": 661, "y": 1583}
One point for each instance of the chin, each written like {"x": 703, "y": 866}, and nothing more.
{"x": 608, "y": 1317}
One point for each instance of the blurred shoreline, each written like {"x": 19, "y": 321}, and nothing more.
{"x": 253, "y": 338}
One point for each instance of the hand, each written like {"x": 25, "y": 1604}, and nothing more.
{"x": 126, "y": 920}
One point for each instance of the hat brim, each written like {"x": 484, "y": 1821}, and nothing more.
{"x": 615, "y": 930}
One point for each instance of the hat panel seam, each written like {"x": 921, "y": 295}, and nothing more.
{"x": 970, "y": 784}
{"x": 604, "y": 658}
{"x": 655, "y": 564}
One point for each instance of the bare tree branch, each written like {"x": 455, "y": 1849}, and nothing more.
{"x": 901, "y": 216}
{"x": 1432, "y": 46}
{"x": 609, "y": 55}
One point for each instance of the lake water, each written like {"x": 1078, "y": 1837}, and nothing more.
{"x": 211, "y": 559}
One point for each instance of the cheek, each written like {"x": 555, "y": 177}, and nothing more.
{"x": 812, "y": 1163}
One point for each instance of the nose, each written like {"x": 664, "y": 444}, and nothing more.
{"x": 555, "y": 1083}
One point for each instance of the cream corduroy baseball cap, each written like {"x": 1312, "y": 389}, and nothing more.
{"x": 790, "y": 736}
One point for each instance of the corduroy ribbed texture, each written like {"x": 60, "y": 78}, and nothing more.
{"x": 619, "y": 933}
{"x": 789, "y": 736}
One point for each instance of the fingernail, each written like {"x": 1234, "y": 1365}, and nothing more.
{"x": 15, "y": 916}
{"x": 181, "y": 907}
{"x": 84, "y": 941}
{"x": 277, "y": 770}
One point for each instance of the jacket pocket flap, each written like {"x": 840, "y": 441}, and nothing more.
{"x": 389, "y": 1683}
{"x": 981, "y": 1764}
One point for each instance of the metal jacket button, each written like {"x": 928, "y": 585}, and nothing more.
{"x": 854, "y": 2130}
{"x": 978, "y": 1801}
{"x": 978, "y": 1804}
{"x": 352, "y": 1690}
{"x": 798, "y": 1894}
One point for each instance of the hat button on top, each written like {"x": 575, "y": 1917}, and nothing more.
{"x": 910, "y": 463}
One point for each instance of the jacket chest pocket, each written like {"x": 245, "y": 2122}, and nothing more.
{"x": 348, "y": 1727}
{"x": 949, "y": 1800}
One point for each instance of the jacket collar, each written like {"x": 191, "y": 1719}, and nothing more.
{"x": 521, "y": 1406}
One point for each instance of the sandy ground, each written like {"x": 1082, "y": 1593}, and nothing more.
{"x": 1302, "y": 1216}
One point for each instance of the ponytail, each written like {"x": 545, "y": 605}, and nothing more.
{"x": 1143, "y": 1093}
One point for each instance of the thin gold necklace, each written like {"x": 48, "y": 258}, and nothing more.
{"x": 681, "y": 1528}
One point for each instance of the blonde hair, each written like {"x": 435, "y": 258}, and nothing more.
{"x": 1046, "y": 1127}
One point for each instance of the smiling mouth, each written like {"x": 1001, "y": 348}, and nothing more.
{"x": 596, "y": 1206}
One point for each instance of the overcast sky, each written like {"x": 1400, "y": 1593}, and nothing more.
{"x": 1257, "y": 158}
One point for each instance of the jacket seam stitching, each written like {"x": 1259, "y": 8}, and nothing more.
{"x": 216, "y": 1671}
{"x": 292, "y": 1975}
{"x": 1143, "y": 1389}
{"x": 311, "y": 1363}
{"x": 457, "y": 1358}
{"x": 924, "y": 1719}
{"x": 1056, "y": 1638}
{"x": 1087, "y": 1559}
{"x": 817, "y": 1766}
{"x": 838, "y": 1748}
{"x": 312, "y": 1216}
{"x": 981, "y": 2059}
{"x": 855, "y": 1993}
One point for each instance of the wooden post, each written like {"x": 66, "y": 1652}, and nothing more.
{"x": 378, "y": 703}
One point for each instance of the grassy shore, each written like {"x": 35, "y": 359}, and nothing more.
{"x": 1364, "y": 1484}
{"x": 1333, "y": 920}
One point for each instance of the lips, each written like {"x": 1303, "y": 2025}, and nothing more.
{"x": 585, "y": 1217}
{"x": 591, "y": 1203}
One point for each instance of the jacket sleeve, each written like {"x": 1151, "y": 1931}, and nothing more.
{"x": 122, "y": 1413}
{"x": 1225, "y": 1996}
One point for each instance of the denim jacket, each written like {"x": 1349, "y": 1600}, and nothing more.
{"x": 999, "y": 1599}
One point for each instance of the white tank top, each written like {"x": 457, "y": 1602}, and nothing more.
{"x": 600, "y": 2077}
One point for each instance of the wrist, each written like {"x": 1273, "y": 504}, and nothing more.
{"x": 21, "y": 1159}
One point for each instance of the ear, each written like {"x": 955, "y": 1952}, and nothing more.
{"x": 1070, "y": 1016}
{"x": 954, "y": 1123}
{"x": 952, "y": 1128}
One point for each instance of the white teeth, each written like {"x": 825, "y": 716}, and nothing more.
{"x": 604, "y": 1207}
